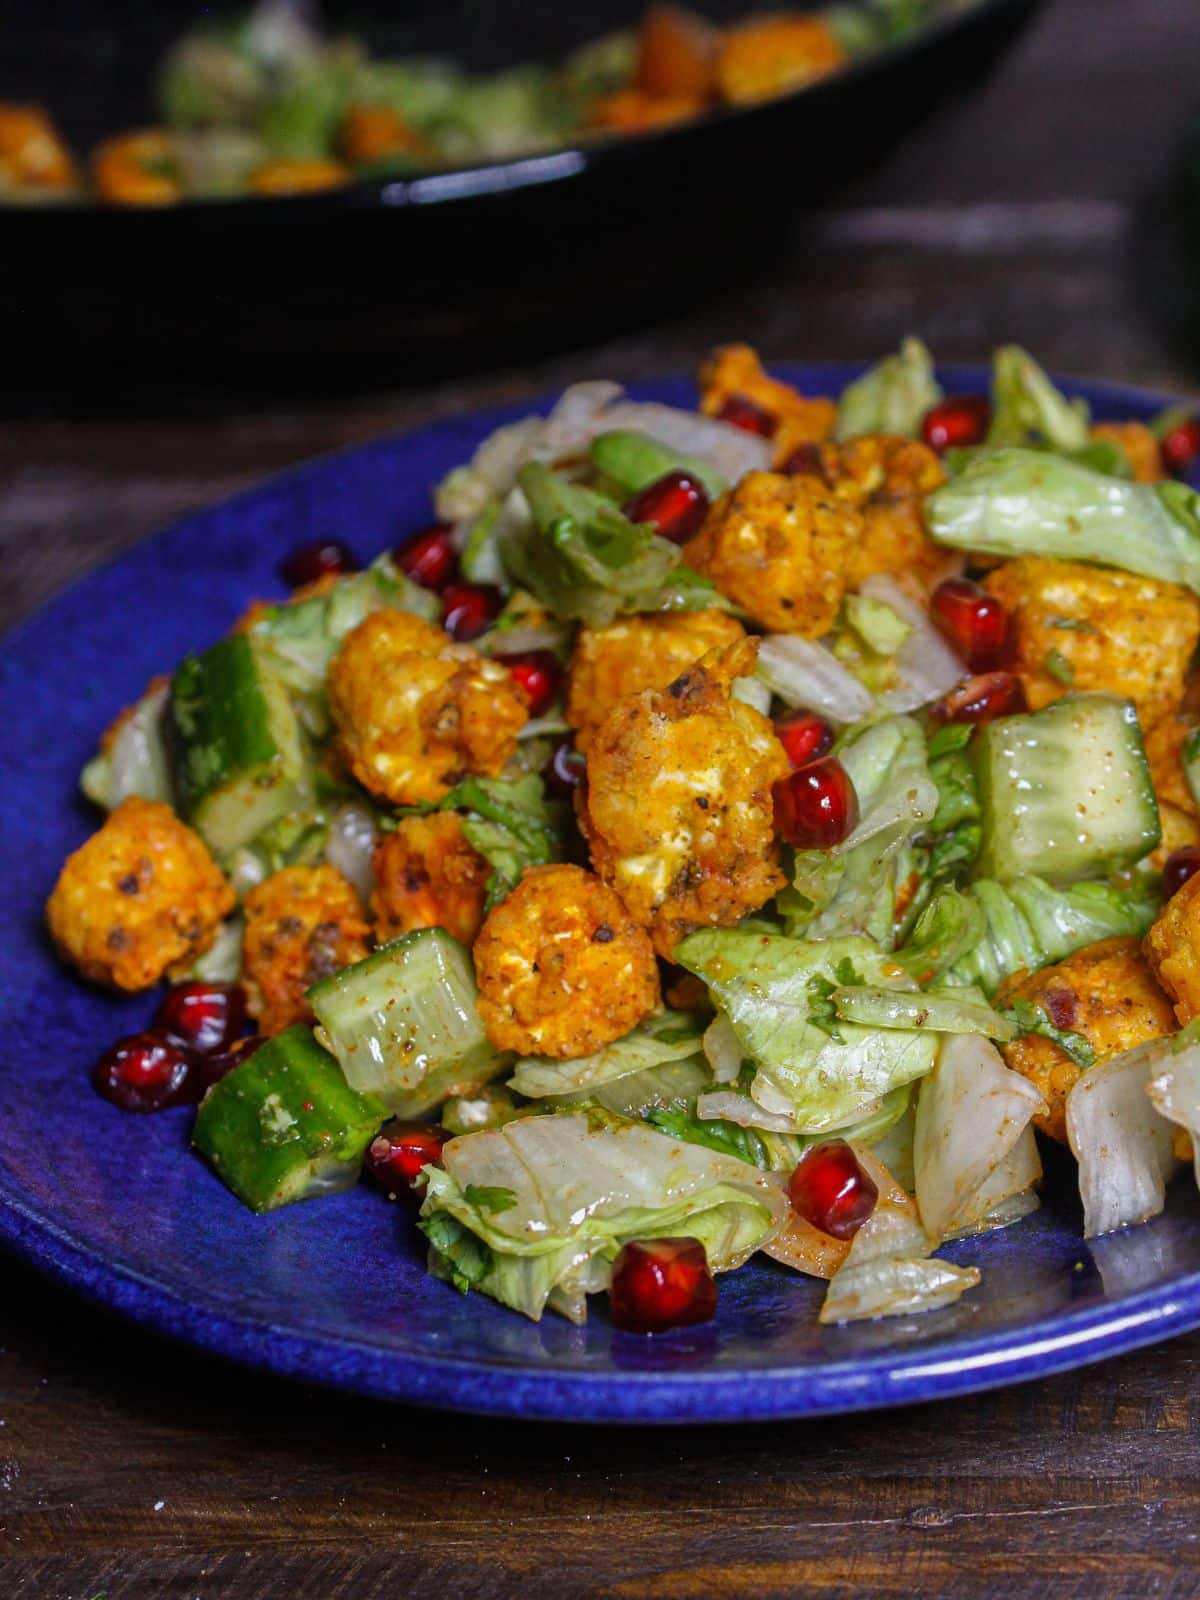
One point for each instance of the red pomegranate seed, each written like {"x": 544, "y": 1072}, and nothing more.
{"x": 804, "y": 736}
{"x": 805, "y": 461}
{"x": 211, "y": 1069}
{"x": 830, "y": 1189}
{"x": 961, "y": 420}
{"x": 981, "y": 699}
{"x": 467, "y": 609}
{"x": 1181, "y": 447}
{"x": 326, "y": 558}
{"x": 429, "y": 557}
{"x": 205, "y": 1017}
{"x": 565, "y": 771}
{"x": 539, "y": 674}
{"x": 397, "y": 1153}
{"x": 743, "y": 413}
{"x": 974, "y": 622}
{"x": 816, "y": 806}
{"x": 145, "y": 1072}
{"x": 659, "y": 1284}
{"x": 675, "y": 504}
{"x": 1179, "y": 866}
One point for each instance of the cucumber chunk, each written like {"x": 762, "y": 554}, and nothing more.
{"x": 285, "y": 1125}
{"x": 238, "y": 753}
{"x": 404, "y": 1024}
{"x": 1065, "y": 792}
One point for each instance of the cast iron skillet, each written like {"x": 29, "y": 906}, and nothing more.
{"x": 459, "y": 268}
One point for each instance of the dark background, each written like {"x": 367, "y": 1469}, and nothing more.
{"x": 127, "y": 1466}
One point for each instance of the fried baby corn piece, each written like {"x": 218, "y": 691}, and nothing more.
{"x": 885, "y": 477}
{"x": 677, "y": 808}
{"x": 415, "y": 712}
{"x": 140, "y": 899}
{"x": 1139, "y": 444}
{"x": 138, "y": 169}
{"x": 427, "y": 875}
{"x": 302, "y": 924}
{"x": 734, "y": 372}
{"x": 631, "y": 110}
{"x": 1105, "y": 992}
{"x": 1177, "y": 808}
{"x": 562, "y": 967}
{"x": 772, "y": 55}
{"x": 33, "y": 156}
{"x": 1172, "y": 947}
{"x": 635, "y": 653}
{"x": 779, "y": 547}
{"x": 295, "y": 175}
{"x": 1084, "y": 627}
{"x": 375, "y": 132}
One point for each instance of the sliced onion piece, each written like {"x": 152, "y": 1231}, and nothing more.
{"x": 926, "y": 667}
{"x": 722, "y": 1049}
{"x": 732, "y": 451}
{"x": 724, "y": 1105}
{"x": 894, "y": 1286}
{"x": 351, "y": 845}
{"x": 1123, "y": 1144}
{"x": 1175, "y": 1092}
{"x": 798, "y": 1244}
{"x": 806, "y": 675}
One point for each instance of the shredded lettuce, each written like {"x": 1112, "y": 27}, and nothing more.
{"x": 892, "y": 396}
{"x": 511, "y": 824}
{"x": 671, "y": 1036}
{"x": 135, "y": 762}
{"x": 953, "y": 1010}
{"x": 1121, "y": 1140}
{"x": 1028, "y": 409}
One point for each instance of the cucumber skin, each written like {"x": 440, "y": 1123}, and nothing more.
{"x": 1015, "y": 842}
{"x": 311, "y": 1141}
{"x": 236, "y": 746}
{"x": 372, "y": 999}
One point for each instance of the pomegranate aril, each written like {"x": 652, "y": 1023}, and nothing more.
{"x": 675, "y": 505}
{"x": 327, "y": 558}
{"x": 468, "y": 608}
{"x": 1180, "y": 448}
{"x": 539, "y": 674}
{"x": 804, "y": 737}
{"x": 980, "y": 699}
{"x": 957, "y": 422}
{"x": 830, "y": 1189}
{"x": 973, "y": 621}
{"x": 659, "y": 1284}
{"x": 429, "y": 557}
{"x": 145, "y": 1072}
{"x": 1179, "y": 866}
{"x": 742, "y": 413}
{"x": 204, "y": 1017}
{"x": 397, "y": 1153}
{"x": 805, "y": 461}
{"x": 565, "y": 771}
{"x": 816, "y": 806}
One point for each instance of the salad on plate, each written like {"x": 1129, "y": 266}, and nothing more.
{"x": 719, "y": 832}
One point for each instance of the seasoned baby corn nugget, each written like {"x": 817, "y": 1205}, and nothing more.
{"x": 768, "y": 56}
{"x": 428, "y": 876}
{"x": 293, "y": 175}
{"x": 415, "y": 712}
{"x": 885, "y": 477}
{"x": 1177, "y": 809}
{"x": 1139, "y": 444}
{"x": 677, "y": 807}
{"x": 779, "y": 547}
{"x": 630, "y": 110}
{"x": 33, "y": 156}
{"x": 141, "y": 898}
{"x": 1105, "y": 992}
{"x": 635, "y": 653}
{"x": 1083, "y": 627}
{"x": 1172, "y": 947}
{"x": 302, "y": 924}
{"x": 562, "y": 967}
{"x": 734, "y": 372}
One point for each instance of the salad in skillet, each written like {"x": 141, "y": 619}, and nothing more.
{"x": 719, "y": 832}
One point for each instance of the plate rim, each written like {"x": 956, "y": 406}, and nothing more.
{"x": 556, "y": 1390}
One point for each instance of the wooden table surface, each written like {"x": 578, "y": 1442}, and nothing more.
{"x": 141, "y": 1471}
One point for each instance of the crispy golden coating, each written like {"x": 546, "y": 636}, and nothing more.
{"x": 33, "y": 155}
{"x": 291, "y": 175}
{"x": 415, "y": 712}
{"x": 772, "y": 55}
{"x": 372, "y": 133}
{"x": 141, "y": 898}
{"x": 1107, "y": 993}
{"x": 302, "y": 924}
{"x": 636, "y": 653}
{"x": 1138, "y": 443}
{"x": 137, "y": 169}
{"x": 733, "y": 371}
{"x": 779, "y": 547}
{"x": 1172, "y": 947}
{"x": 562, "y": 967}
{"x": 1098, "y": 629}
{"x": 428, "y": 876}
{"x": 1164, "y": 752}
{"x": 678, "y": 809}
{"x": 886, "y": 478}
{"x": 677, "y": 55}
{"x": 630, "y": 110}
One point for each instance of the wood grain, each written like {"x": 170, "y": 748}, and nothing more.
{"x": 140, "y": 1471}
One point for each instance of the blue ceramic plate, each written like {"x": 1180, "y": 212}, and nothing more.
{"x": 335, "y": 1292}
